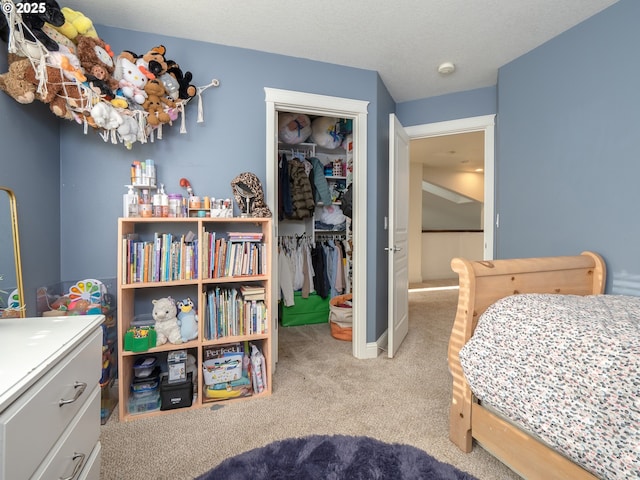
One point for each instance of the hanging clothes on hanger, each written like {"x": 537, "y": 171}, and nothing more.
{"x": 295, "y": 267}
{"x": 319, "y": 182}
{"x": 320, "y": 279}
{"x": 301, "y": 193}
{"x": 285, "y": 207}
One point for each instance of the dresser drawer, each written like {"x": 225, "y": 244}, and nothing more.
{"x": 71, "y": 454}
{"x": 35, "y": 421}
{"x": 91, "y": 471}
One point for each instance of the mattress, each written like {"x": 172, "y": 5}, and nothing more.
{"x": 566, "y": 369}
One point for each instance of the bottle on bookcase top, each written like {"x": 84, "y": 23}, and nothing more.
{"x": 130, "y": 203}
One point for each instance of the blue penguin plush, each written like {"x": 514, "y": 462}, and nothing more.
{"x": 187, "y": 319}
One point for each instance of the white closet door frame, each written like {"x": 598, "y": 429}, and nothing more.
{"x": 322, "y": 105}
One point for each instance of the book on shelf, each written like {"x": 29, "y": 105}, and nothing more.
{"x": 228, "y": 313}
{"x": 245, "y": 236}
{"x": 233, "y": 258}
{"x": 163, "y": 258}
{"x": 252, "y": 292}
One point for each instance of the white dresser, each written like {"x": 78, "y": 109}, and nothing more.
{"x": 50, "y": 397}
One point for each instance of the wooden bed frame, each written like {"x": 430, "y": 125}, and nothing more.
{"x": 481, "y": 284}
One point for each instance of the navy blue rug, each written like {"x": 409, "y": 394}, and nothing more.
{"x": 336, "y": 457}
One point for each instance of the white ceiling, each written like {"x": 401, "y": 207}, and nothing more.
{"x": 403, "y": 40}
{"x": 462, "y": 152}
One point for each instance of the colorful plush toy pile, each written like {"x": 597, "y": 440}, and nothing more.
{"x": 57, "y": 57}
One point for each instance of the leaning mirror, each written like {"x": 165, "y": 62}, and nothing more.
{"x": 11, "y": 291}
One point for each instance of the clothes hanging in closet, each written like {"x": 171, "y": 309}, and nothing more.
{"x": 307, "y": 266}
{"x": 301, "y": 193}
{"x": 295, "y": 267}
{"x": 301, "y": 184}
{"x": 285, "y": 206}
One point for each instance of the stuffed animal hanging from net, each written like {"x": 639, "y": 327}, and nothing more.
{"x": 247, "y": 190}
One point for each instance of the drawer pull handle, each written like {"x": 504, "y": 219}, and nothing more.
{"x": 79, "y": 386}
{"x": 78, "y": 466}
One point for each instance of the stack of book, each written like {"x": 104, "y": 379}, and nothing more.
{"x": 252, "y": 292}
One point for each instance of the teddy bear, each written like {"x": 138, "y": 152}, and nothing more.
{"x": 154, "y": 104}
{"x": 96, "y": 58}
{"x": 164, "y": 313}
{"x": 187, "y": 319}
{"x": 60, "y": 95}
{"x": 14, "y": 81}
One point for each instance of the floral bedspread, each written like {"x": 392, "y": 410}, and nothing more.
{"x": 567, "y": 369}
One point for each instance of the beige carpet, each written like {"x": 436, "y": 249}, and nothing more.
{"x": 318, "y": 388}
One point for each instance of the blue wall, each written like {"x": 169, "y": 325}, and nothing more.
{"x": 30, "y": 166}
{"x": 378, "y": 298}
{"x": 472, "y": 103}
{"x": 567, "y": 154}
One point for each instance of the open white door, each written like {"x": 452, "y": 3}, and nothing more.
{"x": 398, "y": 248}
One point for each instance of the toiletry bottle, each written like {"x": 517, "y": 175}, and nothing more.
{"x": 157, "y": 205}
{"x": 130, "y": 203}
{"x": 145, "y": 204}
{"x": 164, "y": 202}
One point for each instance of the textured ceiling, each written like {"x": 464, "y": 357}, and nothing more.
{"x": 403, "y": 40}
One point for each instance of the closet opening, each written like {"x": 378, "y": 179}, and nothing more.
{"x": 315, "y": 230}
{"x": 314, "y": 215}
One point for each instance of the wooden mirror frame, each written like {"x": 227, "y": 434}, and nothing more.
{"x": 16, "y": 248}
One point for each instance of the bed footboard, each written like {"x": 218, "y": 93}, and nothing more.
{"x": 484, "y": 282}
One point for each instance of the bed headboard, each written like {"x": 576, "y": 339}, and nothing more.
{"x": 482, "y": 283}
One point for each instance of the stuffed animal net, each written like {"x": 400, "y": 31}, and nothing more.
{"x": 56, "y": 57}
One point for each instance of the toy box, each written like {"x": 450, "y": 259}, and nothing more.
{"x": 305, "y": 311}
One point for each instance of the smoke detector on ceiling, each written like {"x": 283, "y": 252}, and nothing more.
{"x": 446, "y": 68}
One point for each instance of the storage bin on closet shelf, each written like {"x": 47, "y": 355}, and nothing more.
{"x": 341, "y": 317}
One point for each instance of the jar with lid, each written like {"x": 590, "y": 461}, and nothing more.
{"x": 175, "y": 205}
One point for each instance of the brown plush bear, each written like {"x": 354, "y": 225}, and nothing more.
{"x": 60, "y": 94}
{"x": 14, "y": 82}
{"x": 154, "y": 105}
{"x": 96, "y": 58}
